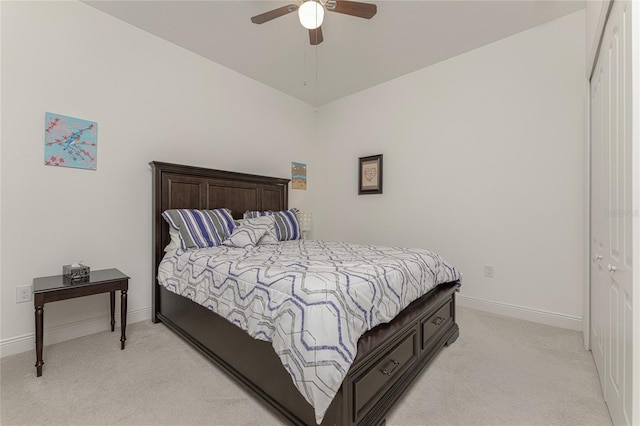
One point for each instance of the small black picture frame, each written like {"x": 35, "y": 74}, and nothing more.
{"x": 370, "y": 175}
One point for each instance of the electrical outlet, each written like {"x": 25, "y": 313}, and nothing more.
{"x": 23, "y": 294}
{"x": 488, "y": 271}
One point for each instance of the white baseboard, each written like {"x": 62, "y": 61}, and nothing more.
{"x": 520, "y": 312}
{"x": 61, "y": 333}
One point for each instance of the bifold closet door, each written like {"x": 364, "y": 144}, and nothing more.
{"x": 611, "y": 213}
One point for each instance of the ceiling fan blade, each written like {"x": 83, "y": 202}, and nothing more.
{"x": 353, "y": 8}
{"x": 273, "y": 14}
{"x": 315, "y": 36}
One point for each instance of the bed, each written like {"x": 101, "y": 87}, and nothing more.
{"x": 389, "y": 356}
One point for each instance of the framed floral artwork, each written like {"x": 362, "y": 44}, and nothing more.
{"x": 70, "y": 142}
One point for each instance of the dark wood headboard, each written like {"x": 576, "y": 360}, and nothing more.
{"x": 179, "y": 187}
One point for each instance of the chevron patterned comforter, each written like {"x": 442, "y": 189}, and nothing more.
{"x": 311, "y": 299}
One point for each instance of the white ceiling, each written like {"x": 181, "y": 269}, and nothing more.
{"x": 403, "y": 37}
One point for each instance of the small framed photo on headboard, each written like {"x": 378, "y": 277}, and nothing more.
{"x": 370, "y": 175}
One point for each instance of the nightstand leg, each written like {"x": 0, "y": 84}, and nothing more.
{"x": 123, "y": 314}
{"x": 112, "y": 299}
{"x": 39, "y": 332}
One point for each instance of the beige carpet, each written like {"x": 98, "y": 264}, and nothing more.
{"x": 500, "y": 371}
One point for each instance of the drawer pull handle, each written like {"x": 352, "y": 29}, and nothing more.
{"x": 388, "y": 373}
{"x": 438, "y": 320}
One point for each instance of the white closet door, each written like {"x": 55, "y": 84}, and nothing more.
{"x": 599, "y": 318}
{"x": 612, "y": 209}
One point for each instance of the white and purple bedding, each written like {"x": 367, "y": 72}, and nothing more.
{"x": 311, "y": 299}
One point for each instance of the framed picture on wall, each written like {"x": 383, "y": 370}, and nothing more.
{"x": 370, "y": 175}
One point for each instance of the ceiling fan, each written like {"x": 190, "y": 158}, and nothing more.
{"x": 311, "y": 14}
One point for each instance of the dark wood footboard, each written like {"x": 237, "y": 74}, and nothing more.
{"x": 389, "y": 358}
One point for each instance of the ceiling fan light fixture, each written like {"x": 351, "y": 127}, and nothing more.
{"x": 311, "y": 14}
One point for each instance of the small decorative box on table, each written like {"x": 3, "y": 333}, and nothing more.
{"x": 76, "y": 272}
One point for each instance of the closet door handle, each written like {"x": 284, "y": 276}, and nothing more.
{"x": 611, "y": 268}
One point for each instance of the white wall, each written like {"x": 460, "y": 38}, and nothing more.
{"x": 152, "y": 101}
{"x": 483, "y": 162}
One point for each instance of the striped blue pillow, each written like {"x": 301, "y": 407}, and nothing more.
{"x": 200, "y": 228}
{"x": 287, "y": 226}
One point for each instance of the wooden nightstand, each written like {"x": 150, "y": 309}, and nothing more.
{"x": 57, "y": 287}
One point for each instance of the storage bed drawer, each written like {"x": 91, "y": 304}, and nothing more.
{"x": 436, "y": 322}
{"x": 384, "y": 372}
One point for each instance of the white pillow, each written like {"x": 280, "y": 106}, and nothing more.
{"x": 175, "y": 242}
{"x": 249, "y": 232}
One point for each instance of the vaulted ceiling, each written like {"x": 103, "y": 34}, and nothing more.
{"x": 404, "y": 36}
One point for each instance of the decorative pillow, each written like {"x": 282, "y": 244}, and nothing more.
{"x": 175, "y": 242}
{"x": 287, "y": 226}
{"x": 200, "y": 228}
{"x": 251, "y": 231}
{"x": 270, "y": 236}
